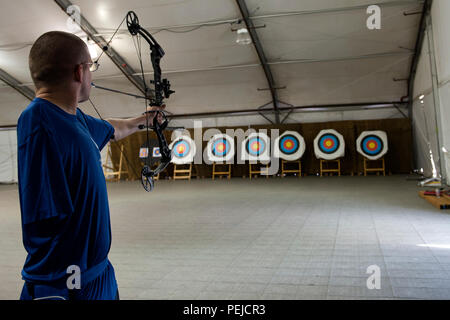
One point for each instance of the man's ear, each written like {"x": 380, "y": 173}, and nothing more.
{"x": 78, "y": 73}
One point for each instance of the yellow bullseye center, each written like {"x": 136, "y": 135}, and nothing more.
{"x": 220, "y": 147}
{"x": 328, "y": 143}
{"x": 371, "y": 145}
{"x": 289, "y": 144}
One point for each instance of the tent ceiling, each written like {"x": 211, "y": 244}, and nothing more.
{"x": 201, "y": 63}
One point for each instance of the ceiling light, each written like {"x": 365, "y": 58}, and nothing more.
{"x": 93, "y": 51}
{"x": 243, "y": 37}
{"x": 92, "y": 47}
{"x": 422, "y": 96}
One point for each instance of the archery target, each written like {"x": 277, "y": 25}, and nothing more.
{"x": 289, "y": 146}
{"x": 149, "y": 152}
{"x": 220, "y": 148}
{"x": 156, "y": 152}
{"x": 256, "y": 147}
{"x": 329, "y": 145}
{"x": 183, "y": 149}
{"x": 143, "y": 153}
{"x": 372, "y": 144}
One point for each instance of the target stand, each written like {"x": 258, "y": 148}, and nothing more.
{"x": 329, "y": 147}
{"x": 263, "y": 168}
{"x": 226, "y": 173}
{"x": 290, "y": 147}
{"x": 220, "y": 150}
{"x": 379, "y": 162}
{"x": 325, "y": 168}
{"x": 182, "y": 171}
{"x": 106, "y": 166}
{"x": 284, "y": 170}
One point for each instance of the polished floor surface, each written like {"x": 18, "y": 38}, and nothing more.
{"x": 309, "y": 238}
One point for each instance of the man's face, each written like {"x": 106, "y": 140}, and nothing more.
{"x": 86, "y": 80}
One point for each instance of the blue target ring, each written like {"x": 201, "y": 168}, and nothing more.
{"x": 328, "y": 143}
{"x": 220, "y": 147}
{"x": 289, "y": 144}
{"x": 181, "y": 149}
{"x": 255, "y": 146}
{"x": 372, "y": 145}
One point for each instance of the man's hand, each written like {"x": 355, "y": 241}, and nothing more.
{"x": 151, "y": 113}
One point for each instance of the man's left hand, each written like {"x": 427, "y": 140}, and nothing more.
{"x": 151, "y": 112}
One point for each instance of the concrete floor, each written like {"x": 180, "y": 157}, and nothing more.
{"x": 309, "y": 238}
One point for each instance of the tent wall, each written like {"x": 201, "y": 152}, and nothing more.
{"x": 441, "y": 30}
{"x": 431, "y": 119}
{"x": 8, "y": 156}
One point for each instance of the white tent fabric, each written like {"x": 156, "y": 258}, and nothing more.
{"x": 427, "y": 147}
{"x": 320, "y": 52}
{"x": 8, "y": 156}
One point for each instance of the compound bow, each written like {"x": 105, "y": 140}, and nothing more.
{"x": 161, "y": 90}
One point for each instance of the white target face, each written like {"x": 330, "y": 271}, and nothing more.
{"x": 372, "y": 144}
{"x": 220, "y": 148}
{"x": 256, "y": 147}
{"x": 289, "y": 146}
{"x": 183, "y": 150}
{"x": 329, "y": 145}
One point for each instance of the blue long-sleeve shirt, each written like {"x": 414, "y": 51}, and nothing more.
{"x": 62, "y": 190}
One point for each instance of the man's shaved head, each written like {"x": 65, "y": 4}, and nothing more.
{"x": 54, "y": 57}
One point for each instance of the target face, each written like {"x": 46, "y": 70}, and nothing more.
{"x": 220, "y": 148}
{"x": 149, "y": 152}
{"x": 329, "y": 145}
{"x": 256, "y": 147}
{"x": 289, "y": 146}
{"x": 143, "y": 153}
{"x": 157, "y": 152}
{"x": 372, "y": 144}
{"x": 183, "y": 149}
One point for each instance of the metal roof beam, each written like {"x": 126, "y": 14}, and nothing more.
{"x": 118, "y": 60}
{"x": 341, "y": 9}
{"x": 16, "y": 85}
{"x": 307, "y": 108}
{"x": 261, "y": 55}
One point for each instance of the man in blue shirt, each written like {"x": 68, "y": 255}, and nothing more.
{"x": 63, "y": 196}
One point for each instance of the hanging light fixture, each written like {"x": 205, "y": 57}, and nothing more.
{"x": 92, "y": 47}
{"x": 92, "y": 50}
{"x": 243, "y": 37}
